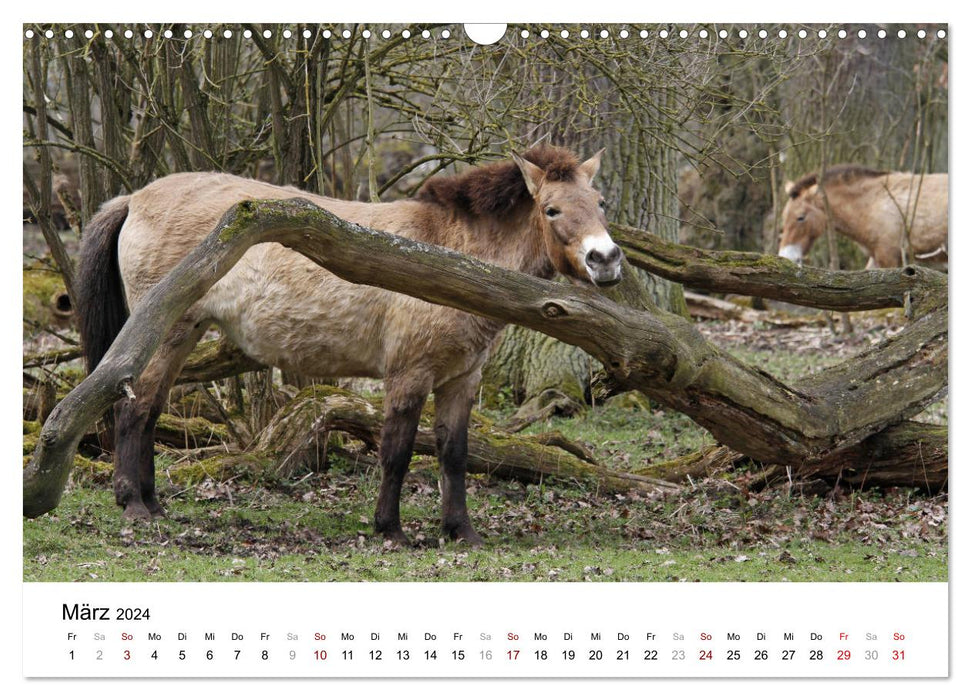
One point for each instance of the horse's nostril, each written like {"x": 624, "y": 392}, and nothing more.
{"x": 598, "y": 258}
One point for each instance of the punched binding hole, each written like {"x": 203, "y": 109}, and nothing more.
{"x": 485, "y": 34}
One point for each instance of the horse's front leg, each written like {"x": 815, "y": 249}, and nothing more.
{"x": 402, "y": 412}
{"x": 453, "y": 404}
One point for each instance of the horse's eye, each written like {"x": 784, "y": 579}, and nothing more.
{"x": 552, "y": 211}
{"x": 603, "y": 204}
{"x": 801, "y": 218}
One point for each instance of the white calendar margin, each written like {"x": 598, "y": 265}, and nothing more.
{"x": 496, "y": 10}
{"x": 236, "y": 630}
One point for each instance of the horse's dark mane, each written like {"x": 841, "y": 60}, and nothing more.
{"x": 497, "y": 189}
{"x": 837, "y": 174}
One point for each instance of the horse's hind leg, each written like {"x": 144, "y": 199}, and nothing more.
{"x": 402, "y": 412}
{"x": 135, "y": 419}
{"x": 453, "y": 404}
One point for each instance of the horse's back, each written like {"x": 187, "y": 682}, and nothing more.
{"x": 278, "y": 306}
{"x": 172, "y": 215}
{"x": 920, "y": 204}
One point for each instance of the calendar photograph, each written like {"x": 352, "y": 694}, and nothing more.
{"x": 434, "y": 303}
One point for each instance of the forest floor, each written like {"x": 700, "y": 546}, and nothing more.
{"x": 319, "y": 526}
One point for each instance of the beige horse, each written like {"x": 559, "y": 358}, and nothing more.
{"x": 879, "y": 210}
{"x": 537, "y": 214}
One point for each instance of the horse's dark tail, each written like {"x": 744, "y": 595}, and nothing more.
{"x": 100, "y": 302}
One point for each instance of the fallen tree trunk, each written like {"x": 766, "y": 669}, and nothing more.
{"x": 703, "y": 464}
{"x": 51, "y": 357}
{"x": 701, "y": 306}
{"x": 773, "y": 277}
{"x": 190, "y": 433}
{"x": 173, "y": 431}
{"x": 658, "y": 353}
{"x": 210, "y": 361}
{"x": 216, "y": 359}
{"x": 909, "y": 454}
{"x": 297, "y": 438}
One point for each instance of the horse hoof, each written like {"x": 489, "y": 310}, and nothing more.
{"x": 398, "y": 540}
{"x": 467, "y": 535}
{"x": 473, "y": 539}
{"x": 155, "y": 508}
{"x": 137, "y": 511}
{"x": 395, "y": 537}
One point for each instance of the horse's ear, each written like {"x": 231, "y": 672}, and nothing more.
{"x": 788, "y": 187}
{"x": 532, "y": 174}
{"x": 589, "y": 167}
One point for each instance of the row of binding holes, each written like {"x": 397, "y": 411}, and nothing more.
{"x": 228, "y": 34}
{"x": 724, "y": 34}
{"x": 545, "y": 34}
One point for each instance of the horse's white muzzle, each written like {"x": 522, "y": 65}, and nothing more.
{"x": 791, "y": 252}
{"x": 602, "y": 259}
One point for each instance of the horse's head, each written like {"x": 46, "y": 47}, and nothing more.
{"x": 574, "y": 221}
{"x": 803, "y": 221}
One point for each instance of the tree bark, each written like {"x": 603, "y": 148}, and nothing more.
{"x": 907, "y": 454}
{"x": 776, "y": 278}
{"x": 704, "y": 463}
{"x": 660, "y": 354}
{"x": 541, "y": 374}
{"x": 910, "y": 455}
{"x": 213, "y": 360}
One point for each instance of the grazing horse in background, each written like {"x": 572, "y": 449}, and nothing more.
{"x": 877, "y": 209}
{"x": 538, "y": 214}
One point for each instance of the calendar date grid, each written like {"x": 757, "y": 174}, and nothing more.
{"x": 333, "y": 631}
{"x": 499, "y": 650}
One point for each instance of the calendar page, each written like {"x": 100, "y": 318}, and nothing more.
{"x": 439, "y": 350}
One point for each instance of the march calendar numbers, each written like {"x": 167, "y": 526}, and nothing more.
{"x": 424, "y": 350}
{"x": 513, "y": 630}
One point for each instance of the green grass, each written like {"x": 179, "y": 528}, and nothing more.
{"x": 624, "y": 433}
{"x": 322, "y": 532}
